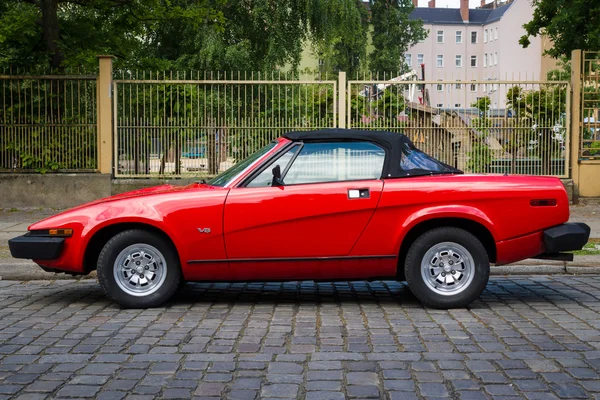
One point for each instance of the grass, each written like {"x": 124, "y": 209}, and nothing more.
{"x": 592, "y": 248}
{"x": 4, "y": 252}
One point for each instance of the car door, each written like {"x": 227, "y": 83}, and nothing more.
{"x": 329, "y": 193}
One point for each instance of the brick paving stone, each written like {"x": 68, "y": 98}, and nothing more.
{"x": 78, "y": 391}
{"x": 280, "y": 390}
{"x": 10, "y": 389}
{"x": 176, "y": 394}
{"x": 401, "y": 385}
{"x": 433, "y": 390}
{"x": 569, "y": 391}
{"x": 526, "y": 337}
{"x": 363, "y": 391}
{"x": 108, "y": 395}
{"x": 242, "y": 395}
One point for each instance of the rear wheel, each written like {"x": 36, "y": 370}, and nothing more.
{"x": 447, "y": 268}
{"x": 139, "y": 269}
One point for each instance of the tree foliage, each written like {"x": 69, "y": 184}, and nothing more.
{"x": 539, "y": 121}
{"x": 573, "y": 24}
{"x": 35, "y": 34}
{"x": 344, "y": 47}
{"x": 393, "y": 33}
{"x": 187, "y": 34}
{"x": 480, "y": 156}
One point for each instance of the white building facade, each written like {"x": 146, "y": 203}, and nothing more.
{"x": 475, "y": 45}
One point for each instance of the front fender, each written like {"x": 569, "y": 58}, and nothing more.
{"x": 86, "y": 222}
{"x": 178, "y": 214}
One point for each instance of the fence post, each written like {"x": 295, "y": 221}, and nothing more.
{"x": 575, "y": 119}
{"x": 104, "y": 117}
{"x": 342, "y": 103}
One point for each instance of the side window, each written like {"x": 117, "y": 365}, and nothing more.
{"x": 335, "y": 162}
{"x": 265, "y": 178}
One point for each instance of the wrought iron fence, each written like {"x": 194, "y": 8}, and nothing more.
{"x": 517, "y": 127}
{"x": 180, "y": 124}
{"x": 198, "y": 124}
{"x": 48, "y": 123}
{"x": 590, "y": 106}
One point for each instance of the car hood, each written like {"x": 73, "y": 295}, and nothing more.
{"x": 139, "y": 193}
{"x": 160, "y": 189}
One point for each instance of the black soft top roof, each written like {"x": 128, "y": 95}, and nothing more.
{"x": 402, "y": 157}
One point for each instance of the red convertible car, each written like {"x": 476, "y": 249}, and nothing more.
{"x": 322, "y": 205}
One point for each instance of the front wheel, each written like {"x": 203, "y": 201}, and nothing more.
{"x": 139, "y": 269}
{"x": 447, "y": 268}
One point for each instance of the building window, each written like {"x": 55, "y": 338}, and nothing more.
{"x": 485, "y": 60}
{"x": 440, "y": 87}
{"x": 408, "y": 59}
{"x": 473, "y": 61}
{"x": 440, "y": 105}
{"x": 440, "y": 36}
{"x": 474, "y": 37}
{"x": 440, "y": 61}
{"x": 457, "y": 105}
{"x": 458, "y": 36}
{"x": 485, "y": 36}
{"x": 496, "y": 58}
{"x": 473, "y": 87}
{"x": 419, "y": 59}
{"x": 458, "y": 85}
{"x": 496, "y": 34}
{"x": 458, "y": 61}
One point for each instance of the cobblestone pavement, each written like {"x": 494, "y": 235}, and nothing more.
{"x": 528, "y": 337}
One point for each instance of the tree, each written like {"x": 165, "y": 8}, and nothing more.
{"x": 345, "y": 47}
{"x": 393, "y": 33}
{"x": 573, "y": 24}
{"x": 480, "y": 156}
{"x": 175, "y": 34}
{"x": 540, "y": 118}
{"x": 63, "y": 33}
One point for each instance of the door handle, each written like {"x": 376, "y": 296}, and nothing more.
{"x": 359, "y": 194}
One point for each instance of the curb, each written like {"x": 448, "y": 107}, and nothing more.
{"x": 19, "y": 270}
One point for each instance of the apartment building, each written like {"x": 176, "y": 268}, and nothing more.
{"x": 480, "y": 44}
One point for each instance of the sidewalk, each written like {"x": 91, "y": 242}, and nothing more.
{"x": 15, "y": 222}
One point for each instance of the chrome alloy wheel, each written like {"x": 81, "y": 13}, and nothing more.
{"x": 140, "y": 269}
{"x": 447, "y": 268}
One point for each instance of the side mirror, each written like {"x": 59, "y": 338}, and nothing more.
{"x": 277, "y": 181}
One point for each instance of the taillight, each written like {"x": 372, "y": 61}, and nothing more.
{"x": 542, "y": 202}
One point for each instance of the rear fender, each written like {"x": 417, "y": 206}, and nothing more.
{"x": 446, "y": 211}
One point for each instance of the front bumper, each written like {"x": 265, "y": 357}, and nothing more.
{"x": 36, "y": 247}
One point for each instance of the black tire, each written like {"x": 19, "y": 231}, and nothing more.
{"x": 164, "y": 287}
{"x": 466, "y": 291}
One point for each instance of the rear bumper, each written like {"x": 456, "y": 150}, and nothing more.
{"x": 36, "y": 247}
{"x": 565, "y": 237}
{"x": 547, "y": 244}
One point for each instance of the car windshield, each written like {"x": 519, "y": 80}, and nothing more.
{"x": 225, "y": 177}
